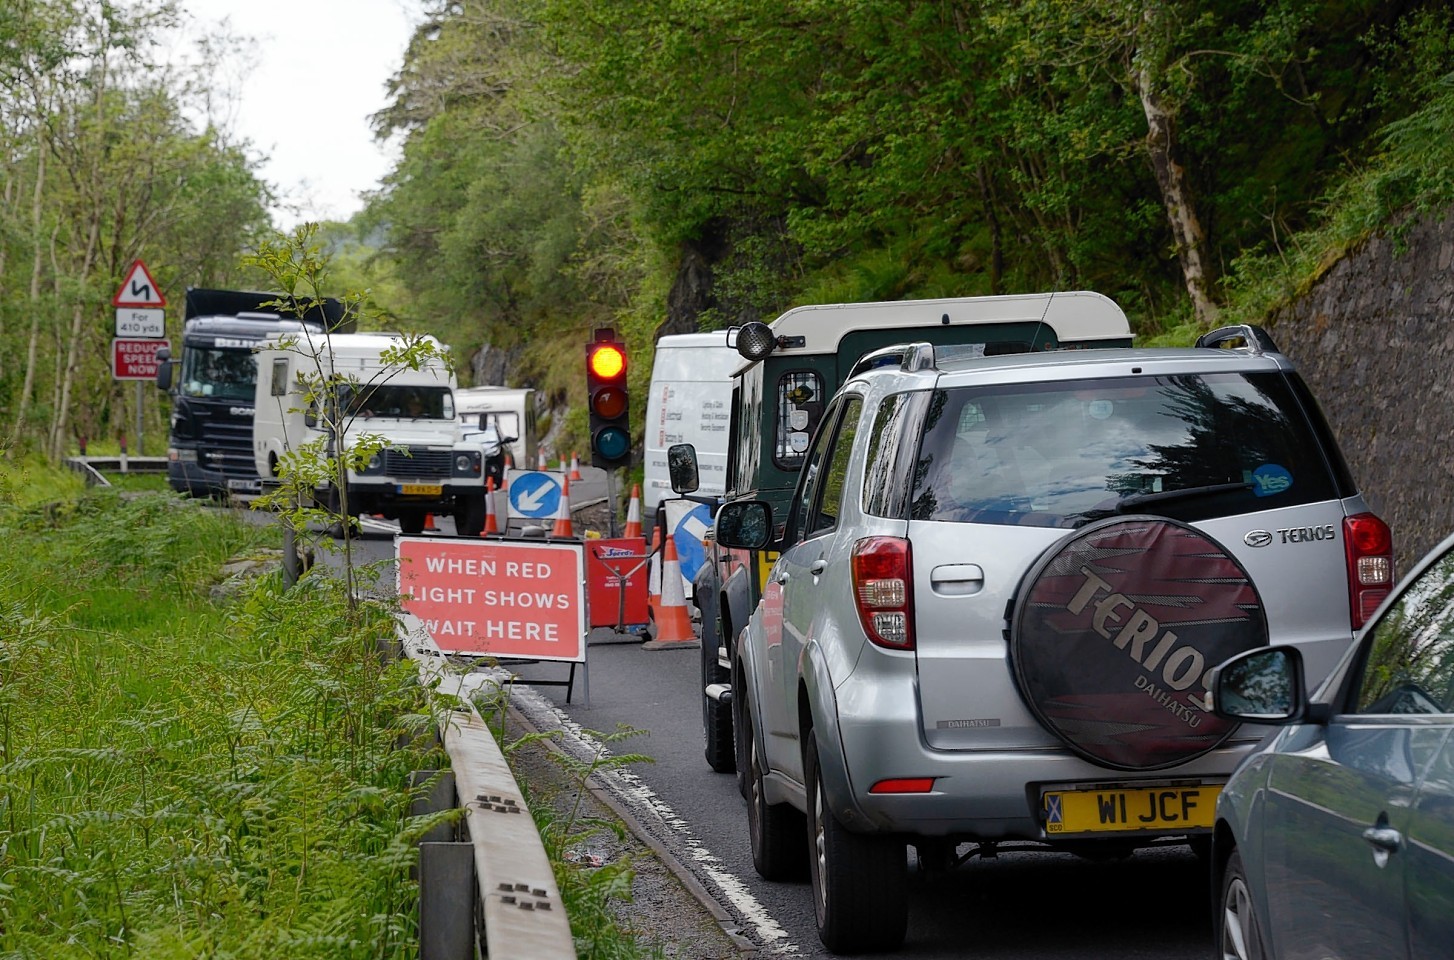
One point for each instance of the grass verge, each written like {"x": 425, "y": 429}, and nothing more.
{"x": 183, "y": 777}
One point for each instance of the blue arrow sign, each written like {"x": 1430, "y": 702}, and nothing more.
{"x": 687, "y": 533}
{"x": 534, "y": 495}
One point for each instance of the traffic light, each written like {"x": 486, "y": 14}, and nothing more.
{"x": 608, "y": 399}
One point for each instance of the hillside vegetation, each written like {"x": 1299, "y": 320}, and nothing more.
{"x": 666, "y": 167}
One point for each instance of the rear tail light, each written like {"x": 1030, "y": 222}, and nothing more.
{"x": 883, "y": 591}
{"x": 1369, "y": 548}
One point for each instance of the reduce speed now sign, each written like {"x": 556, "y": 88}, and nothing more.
{"x": 136, "y": 359}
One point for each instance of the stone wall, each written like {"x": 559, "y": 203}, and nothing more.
{"x": 1375, "y": 341}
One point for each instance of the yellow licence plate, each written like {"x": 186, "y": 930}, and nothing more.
{"x": 421, "y": 489}
{"x": 1164, "y": 809}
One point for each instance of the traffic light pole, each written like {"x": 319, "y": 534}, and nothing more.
{"x": 611, "y": 500}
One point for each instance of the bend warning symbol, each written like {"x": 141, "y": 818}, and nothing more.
{"x": 138, "y": 289}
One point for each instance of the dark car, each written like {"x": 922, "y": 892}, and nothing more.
{"x": 1336, "y": 839}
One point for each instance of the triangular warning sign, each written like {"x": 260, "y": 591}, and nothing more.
{"x": 138, "y": 289}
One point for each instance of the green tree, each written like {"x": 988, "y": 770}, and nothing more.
{"x": 102, "y": 169}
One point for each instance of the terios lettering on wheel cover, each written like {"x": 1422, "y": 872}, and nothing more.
{"x": 1181, "y": 665}
{"x": 1115, "y": 631}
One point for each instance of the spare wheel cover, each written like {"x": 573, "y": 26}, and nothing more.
{"x": 1114, "y": 630}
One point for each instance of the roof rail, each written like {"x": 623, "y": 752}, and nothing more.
{"x": 1254, "y": 338}
{"x": 909, "y": 357}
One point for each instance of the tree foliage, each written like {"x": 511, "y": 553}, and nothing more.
{"x": 662, "y": 167}
{"x": 875, "y": 149}
{"x": 102, "y": 167}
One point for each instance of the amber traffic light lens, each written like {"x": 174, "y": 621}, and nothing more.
{"x": 608, "y": 361}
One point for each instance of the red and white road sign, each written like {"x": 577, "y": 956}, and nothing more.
{"x": 139, "y": 289}
{"x": 499, "y": 598}
{"x": 136, "y": 359}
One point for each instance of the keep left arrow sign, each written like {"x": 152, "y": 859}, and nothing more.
{"x": 139, "y": 289}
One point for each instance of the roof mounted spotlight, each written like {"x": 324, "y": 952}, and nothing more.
{"x": 755, "y": 340}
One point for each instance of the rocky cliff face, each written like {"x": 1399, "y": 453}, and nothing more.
{"x": 1375, "y": 341}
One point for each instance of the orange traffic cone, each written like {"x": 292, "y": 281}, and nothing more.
{"x": 575, "y": 467}
{"x": 562, "y": 463}
{"x": 653, "y": 578}
{"x": 505, "y": 474}
{"x": 540, "y": 463}
{"x": 429, "y": 526}
{"x": 673, "y": 623}
{"x": 562, "y": 528}
{"x": 491, "y": 524}
{"x": 633, "y": 514}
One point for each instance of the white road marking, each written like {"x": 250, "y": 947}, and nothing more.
{"x": 656, "y": 815}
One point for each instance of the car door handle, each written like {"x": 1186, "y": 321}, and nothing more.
{"x": 1386, "y": 839}
{"x": 957, "y": 579}
{"x": 817, "y": 566}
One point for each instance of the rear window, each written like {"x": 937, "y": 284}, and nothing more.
{"x": 799, "y": 408}
{"x": 1189, "y": 447}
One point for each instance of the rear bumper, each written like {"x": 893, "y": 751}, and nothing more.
{"x": 982, "y": 794}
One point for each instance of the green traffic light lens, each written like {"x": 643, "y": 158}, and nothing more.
{"x": 612, "y": 443}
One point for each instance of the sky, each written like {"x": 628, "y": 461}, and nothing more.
{"x": 323, "y": 65}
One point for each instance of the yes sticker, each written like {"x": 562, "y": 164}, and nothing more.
{"x": 1269, "y": 479}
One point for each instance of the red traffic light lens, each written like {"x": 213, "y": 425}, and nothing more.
{"x": 608, "y": 402}
{"x": 607, "y": 361}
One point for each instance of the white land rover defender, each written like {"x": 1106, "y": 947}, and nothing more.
{"x": 431, "y": 465}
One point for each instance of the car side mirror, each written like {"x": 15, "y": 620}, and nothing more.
{"x": 744, "y": 525}
{"x": 1264, "y": 685}
{"x": 681, "y": 466}
{"x": 164, "y": 369}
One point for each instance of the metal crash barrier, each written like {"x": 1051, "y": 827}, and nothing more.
{"x": 516, "y": 909}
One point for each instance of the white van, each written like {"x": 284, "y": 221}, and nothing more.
{"x": 431, "y": 466}
{"x": 509, "y": 412}
{"x": 689, "y": 402}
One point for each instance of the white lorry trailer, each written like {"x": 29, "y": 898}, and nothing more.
{"x": 430, "y": 465}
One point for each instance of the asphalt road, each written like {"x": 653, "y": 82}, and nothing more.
{"x": 1030, "y": 905}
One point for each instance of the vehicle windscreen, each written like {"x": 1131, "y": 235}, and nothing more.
{"x": 1190, "y": 447}
{"x": 220, "y": 373}
{"x": 404, "y": 402}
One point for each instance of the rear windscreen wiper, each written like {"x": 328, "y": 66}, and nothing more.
{"x": 1142, "y": 499}
{"x": 1185, "y": 493}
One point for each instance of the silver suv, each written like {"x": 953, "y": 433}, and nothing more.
{"x": 1003, "y": 583}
